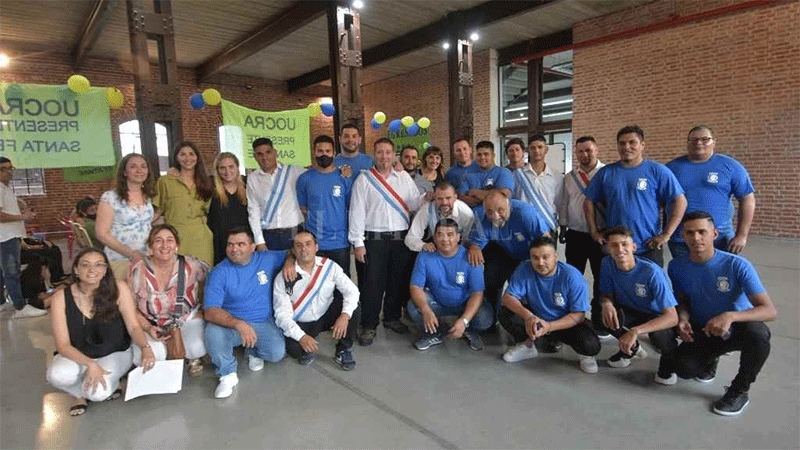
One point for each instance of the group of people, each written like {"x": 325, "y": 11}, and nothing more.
{"x": 434, "y": 244}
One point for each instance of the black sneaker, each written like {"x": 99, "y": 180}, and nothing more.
{"x": 366, "y": 337}
{"x": 708, "y": 375}
{"x": 474, "y": 339}
{"x": 305, "y": 359}
{"x": 345, "y": 359}
{"x": 396, "y": 326}
{"x": 732, "y": 403}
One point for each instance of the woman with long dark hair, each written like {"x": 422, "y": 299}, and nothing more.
{"x": 228, "y": 204}
{"x": 93, "y": 321}
{"x": 183, "y": 199}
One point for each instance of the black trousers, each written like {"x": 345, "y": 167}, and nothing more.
{"x": 664, "y": 341}
{"x": 387, "y": 274}
{"x": 498, "y": 267}
{"x": 325, "y": 323}
{"x": 580, "y": 337}
{"x": 53, "y": 256}
{"x": 691, "y": 359}
{"x": 581, "y": 248}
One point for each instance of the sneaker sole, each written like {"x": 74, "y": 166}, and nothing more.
{"x": 731, "y": 413}
{"x": 422, "y": 349}
{"x": 705, "y": 380}
{"x": 346, "y": 367}
{"x": 621, "y": 364}
{"x": 665, "y": 381}
{"x": 514, "y": 360}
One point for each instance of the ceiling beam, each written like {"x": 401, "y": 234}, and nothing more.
{"x": 472, "y": 18}
{"x": 539, "y": 44}
{"x": 288, "y": 21}
{"x": 97, "y": 20}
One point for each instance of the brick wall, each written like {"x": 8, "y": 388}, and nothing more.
{"x": 737, "y": 73}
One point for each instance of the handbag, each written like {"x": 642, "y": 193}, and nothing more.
{"x": 175, "y": 347}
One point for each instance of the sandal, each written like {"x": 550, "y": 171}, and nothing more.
{"x": 78, "y": 409}
{"x": 195, "y": 367}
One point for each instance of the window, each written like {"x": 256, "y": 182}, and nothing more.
{"x": 230, "y": 140}
{"x": 27, "y": 182}
{"x": 130, "y": 142}
{"x": 556, "y": 91}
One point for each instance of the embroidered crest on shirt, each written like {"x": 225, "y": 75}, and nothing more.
{"x": 641, "y": 184}
{"x": 713, "y": 177}
{"x": 723, "y": 285}
{"x": 558, "y": 299}
{"x": 337, "y": 190}
{"x": 262, "y": 277}
{"x": 489, "y": 182}
{"x": 519, "y": 236}
{"x": 641, "y": 290}
{"x": 460, "y": 278}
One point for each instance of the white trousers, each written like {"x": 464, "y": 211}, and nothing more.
{"x": 70, "y": 377}
{"x": 192, "y": 332}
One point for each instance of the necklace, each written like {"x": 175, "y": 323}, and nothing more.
{"x": 83, "y": 298}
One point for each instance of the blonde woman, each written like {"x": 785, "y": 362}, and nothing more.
{"x": 228, "y": 207}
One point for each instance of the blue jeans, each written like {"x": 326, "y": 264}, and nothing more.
{"x": 220, "y": 341}
{"x": 9, "y": 272}
{"x": 483, "y": 319}
{"x": 677, "y": 249}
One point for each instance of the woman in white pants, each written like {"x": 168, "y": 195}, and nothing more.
{"x": 93, "y": 321}
{"x": 166, "y": 310}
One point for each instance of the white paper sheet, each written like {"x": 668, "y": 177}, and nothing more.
{"x": 166, "y": 377}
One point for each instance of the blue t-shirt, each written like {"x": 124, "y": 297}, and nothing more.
{"x": 496, "y": 177}
{"x": 525, "y": 224}
{"x": 450, "y": 280}
{"x": 362, "y": 161}
{"x": 456, "y": 173}
{"x": 632, "y": 196}
{"x": 644, "y": 288}
{"x": 721, "y": 284}
{"x": 244, "y": 291}
{"x": 553, "y": 297}
{"x": 709, "y": 186}
{"x": 326, "y": 196}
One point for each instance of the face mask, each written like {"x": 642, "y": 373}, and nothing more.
{"x": 324, "y": 161}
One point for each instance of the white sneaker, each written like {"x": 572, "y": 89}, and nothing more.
{"x": 225, "y": 386}
{"x": 7, "y": 306}
{"x": 255, "y": 363}
{"x": 669, "y": 381}
{"x": 520, "y": 352}
{"x": 588, "y": 364}
{"x": 29, "y": 311}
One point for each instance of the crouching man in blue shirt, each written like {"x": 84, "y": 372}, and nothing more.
{"x": 444, "y": 283}
{"x": 723, "y": 307}
{"x": 548, "y": 299}
{"x": 238, "y": 308}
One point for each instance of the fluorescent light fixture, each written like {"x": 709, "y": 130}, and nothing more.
{"x": 358, "y": 4}
{"x": 473, "y": 36}
{"x": 446, "y": 45}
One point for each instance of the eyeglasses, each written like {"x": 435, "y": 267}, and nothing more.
{"x": 87, "y": 266}
{"x": 704, "y": 140}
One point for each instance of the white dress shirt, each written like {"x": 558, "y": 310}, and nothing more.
{"x": 259, "y": 187}
{"x": 336, "y": 279}
{"x": 369, "y": 210}
{"x": 547, "y": 184}
{"x": 9, "y": 205}
{"x": 570, "y": 208}
{"x": 462, "y": 214}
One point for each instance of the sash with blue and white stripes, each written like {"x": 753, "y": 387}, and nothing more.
{"x": 307, "y": 297}
{"x": 534, "y": 198}
{"x": 433, "y": 217}
{"x": 275, "y": 196}
{"x": 389, "y": 194}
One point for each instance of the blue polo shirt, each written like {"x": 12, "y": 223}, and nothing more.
{"x": 553, "y": 297}
{"x": 709, "y": 186}
{"x": 450, "y": 280}
{"x": 644, "y": 288}
{"x": 515, "y": 236}
{"x": 326, "y": 197}
{"x": 721, "y": 284}
{"x": 495, "y": 177}
{"x": 632, "y": 196}
{"x": 456, "y": 173}
{"x": 362, "y": 161}
{"x": 244, "y": 291}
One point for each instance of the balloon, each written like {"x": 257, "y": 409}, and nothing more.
{"x": 114, "y": 98}
{"x": 395, "y": 125}
{"x": 375, "y": 124}
{"x": 313, "y": 109}
{"x": 196, "y": 101}
{"x": 379, "y": 117}
{"x": 426, "y": 145}
{"x": 211, "y": 97}
{"x": 78, "y": 83}
{"x": 413, "y": 129}
{"x": 327, "y": 109}
{"x": 424, "y": 122}
{"x": 407, "y": 121}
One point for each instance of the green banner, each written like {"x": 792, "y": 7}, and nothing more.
{"x": 43, "y": 126}
{"x": 401, "y": 139}
{"x": 288, "y": 130}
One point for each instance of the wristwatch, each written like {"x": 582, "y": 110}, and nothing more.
{"x": 466, "y": 322}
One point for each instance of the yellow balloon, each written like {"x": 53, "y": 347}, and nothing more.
{"x": 424, "y": 122}
{"x": 78, "y": 83}
{"x": 407, "y": 121}
{"x": 314, "y": 109}
{"x": 114, "y": 98}
{"x": 379, "y": 117}
{"x": 211, "y": 97}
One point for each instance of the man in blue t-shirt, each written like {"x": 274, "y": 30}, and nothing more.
{"x": 633, "y": 190}
{"x": 464, "y": 163}
{"x": 636, "y": 298}
{"x": 351, "y": 155}
{"x": 710, "y": 179}
{"x": 723, "y": 307}
{"x": 238, "y": 308}
{"x": 486, "y": 177}
{"x": 547, "y": 300}
{"x": 444, "y": 283}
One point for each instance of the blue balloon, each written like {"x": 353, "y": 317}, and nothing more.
{"x": 327, "y": 109}
{"x": 196, "y": 101}
{"x": 395, "y": 126}
{"x": 413, "y": 130}
{"x": 375, "y": 125}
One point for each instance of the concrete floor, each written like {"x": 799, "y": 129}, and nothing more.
{"x": 448, "y": 396}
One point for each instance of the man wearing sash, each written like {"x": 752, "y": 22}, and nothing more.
{"x": 305, "y": 307}
{"x": 444, "y": 205}
{"x": 380, "y": 208}
{"x": 464, "y": 163}
{"x": 574, "y": 229}
{"x": 350, "y": 155}
{"x": 272, "y": 207}
{"x": 538, "y": 184}
{"x": 486, "y": 177}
